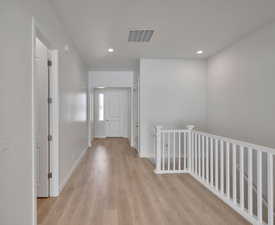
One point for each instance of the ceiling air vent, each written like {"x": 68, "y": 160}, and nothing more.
{"x": 140, "y": 35}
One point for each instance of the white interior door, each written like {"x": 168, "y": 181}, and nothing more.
{"x": 114, "y": 113}
{"x": 41, "y": 118}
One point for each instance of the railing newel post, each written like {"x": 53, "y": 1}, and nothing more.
{"x": 190, "y": 146}
{"x": 158, "y": 148}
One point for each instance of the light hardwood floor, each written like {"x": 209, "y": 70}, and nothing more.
{"x": 112, "y": 186}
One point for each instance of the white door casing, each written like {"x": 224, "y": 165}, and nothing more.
{"x": 136, "y": 113}
{"x": 41, "y": 118}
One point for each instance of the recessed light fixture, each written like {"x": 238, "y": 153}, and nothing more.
{"x": 199, "y": 52}
{"x": 100, "y": 87}
{"x": 110, "y": 50}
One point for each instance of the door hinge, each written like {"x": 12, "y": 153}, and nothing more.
{"x": 50, "y": 137}
{"x": 50, "y": 100}
{"x": 50, "y": 175}
{"x": 50, "y": 63}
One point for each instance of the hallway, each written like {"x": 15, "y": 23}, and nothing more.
{"x": 112, "y": 186}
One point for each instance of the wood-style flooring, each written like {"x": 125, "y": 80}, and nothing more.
{"x": 113, "y": 186}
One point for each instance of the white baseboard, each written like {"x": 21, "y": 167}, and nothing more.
{"x": 171, "y": 172}
{"x": 68, "y": 176}
{"x": 146, "y": 156}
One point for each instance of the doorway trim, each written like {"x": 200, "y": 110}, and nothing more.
{"x": 131, "y": 117}
{"x": 54, "y": 119}
{"x": 54, "y": 128}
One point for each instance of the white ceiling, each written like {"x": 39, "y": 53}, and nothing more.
{"x": 181, "y": 27}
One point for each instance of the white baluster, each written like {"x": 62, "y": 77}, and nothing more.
{"x": 211, "y": 162}
{"x": 250, "y": 182}
{"x": 169, "y": 149}
{"x": 174, "y": 150}
{"x": 228, "y": 170}
{"x": 163, "y": 151}
{"x": 185, "y": 150}
{"x": 179, "y": 135}
{"x": 270, "y": 188}
{"x": 216, "y": 164}
{"x": 259, "y": 186}
{"x": 222, "y": 166}
{"x": 234, "y": 173}
{"x": 196, "y": 156}
{"x": 207, "y": 159}
{"x": 193, "y": 152}
{"x": 199, "y": 154}
{"x": 242, "y": 177}
{"x": 203, "y": 157}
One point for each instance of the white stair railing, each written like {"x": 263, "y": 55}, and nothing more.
{"x": 239, "y": 173}
{"x": 172, "y": 150}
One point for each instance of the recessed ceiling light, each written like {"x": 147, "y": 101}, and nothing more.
{"x": 199, "y": 52}
{"x": 110, "y": 50}
{"x": 100, "y": 87}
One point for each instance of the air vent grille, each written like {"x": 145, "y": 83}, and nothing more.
{"x": 140, "y": 35}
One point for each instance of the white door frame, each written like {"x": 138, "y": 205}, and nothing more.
{"x": 90, "y": 112}
{"x": 92, "y": 89}
{"x": 54, "y": 128}
{"x": 136, "y": 113}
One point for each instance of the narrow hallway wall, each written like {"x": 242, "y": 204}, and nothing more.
{"x": 241, "y": 89}
{"x": 16, "y": 159}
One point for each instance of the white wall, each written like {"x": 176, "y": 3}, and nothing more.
{"x": 241, "y": 89}
{"x": 16, "y": 202}
{"x": 111, "y": 78}
{"x": 173, "y": 94}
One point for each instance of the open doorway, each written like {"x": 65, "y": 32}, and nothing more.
{"x": 112, "y": 112}
{"x": 45, "y": 119}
